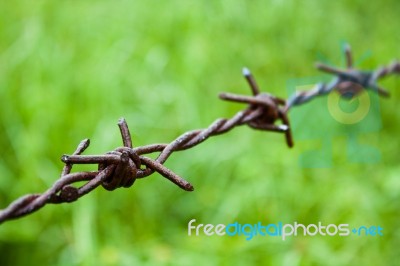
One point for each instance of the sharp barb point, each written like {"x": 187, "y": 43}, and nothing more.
{"x": 283, "y": 127}
{"x": 246, "y": 72}
{"x": 64, "y": 158}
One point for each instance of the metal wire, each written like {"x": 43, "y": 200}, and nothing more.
{"x": 122, "y": 166}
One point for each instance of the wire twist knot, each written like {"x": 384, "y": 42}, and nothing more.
{"x": 124, "y": 172}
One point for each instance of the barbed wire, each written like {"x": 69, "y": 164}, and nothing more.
{"x": 122, "y": 166}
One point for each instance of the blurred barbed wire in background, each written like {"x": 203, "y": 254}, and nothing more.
{"x": 348, "y": 82}
{"x": 122, "y": 166}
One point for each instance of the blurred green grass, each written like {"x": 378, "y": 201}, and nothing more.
{"x": 69, "y": 70}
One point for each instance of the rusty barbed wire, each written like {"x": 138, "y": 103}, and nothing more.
{"x": 122, "y": 166}
{"x": 348, "y": 82}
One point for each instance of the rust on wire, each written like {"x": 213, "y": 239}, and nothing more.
{"x": 122, "y": 166}
{"x": 272, "y": 108}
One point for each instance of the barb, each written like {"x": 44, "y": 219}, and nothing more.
{"x": 347, "y": 82}
{"x": 122, "y": 166}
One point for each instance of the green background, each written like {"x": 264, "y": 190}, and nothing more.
{"x": 70, "y": 69}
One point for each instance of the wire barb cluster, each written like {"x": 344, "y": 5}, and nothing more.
{"x": 122, "y": 166}
{"x": 349, "y": 82}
